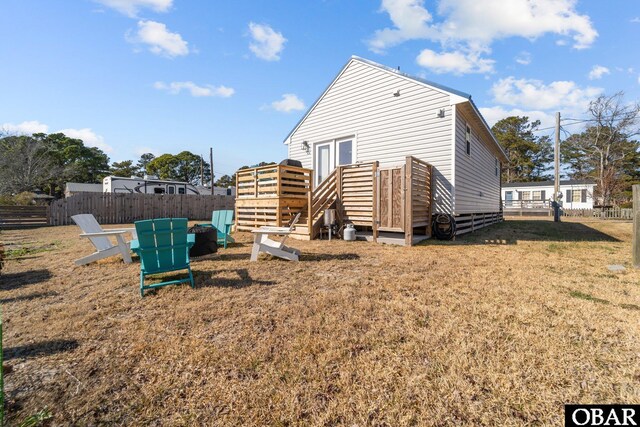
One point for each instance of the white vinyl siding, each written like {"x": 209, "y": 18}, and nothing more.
{"x": 387, "y": 128}
{"x": 477, "y": 187}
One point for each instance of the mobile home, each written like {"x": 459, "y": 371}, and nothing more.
{"x": 146, "y": 185}
{"x": 576, "y": 194}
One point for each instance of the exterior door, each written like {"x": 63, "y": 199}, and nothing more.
{"x": 324, "y": 162}
{"x": 391, "y": 199}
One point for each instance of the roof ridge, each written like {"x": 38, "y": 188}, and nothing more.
{"x": 412, "y": 77}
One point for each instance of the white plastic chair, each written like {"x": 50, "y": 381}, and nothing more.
{"x": 100, "y": 239}
{"x": 262, "y": 242}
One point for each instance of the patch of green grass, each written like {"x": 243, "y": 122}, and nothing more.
{"x": 37, "y": 419}
{"x": 556, "y": 248}
{"x": 630, "y": 306}
{"x": 24, "y": 251}
{"x": 588, "y": 297}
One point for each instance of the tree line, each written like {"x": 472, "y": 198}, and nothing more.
{"x": 605, "y": 151}
{"x": 46, "y": 162}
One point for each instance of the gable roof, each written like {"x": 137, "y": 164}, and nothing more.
{"x": 457, "y": 95}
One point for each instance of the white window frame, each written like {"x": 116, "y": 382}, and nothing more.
{"x": 337, "y": 143}
{"x": 334, "y": 153}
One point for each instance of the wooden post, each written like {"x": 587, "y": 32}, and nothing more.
{"x": 279, "y": 205}
{"x": 429, "y": 230}
{"x": 310, "y": 207}
{"x": 408, "y": 202}
{"x": 339, "y": 182}
{"x": 374, "y": 206}
{"x": 255, "y": 182}
{"x": 211, "y": 160}
{"x": 636, "y": 226}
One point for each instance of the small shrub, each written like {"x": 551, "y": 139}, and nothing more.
{"x": 21, "y": 199}
{"x": 24, "y": 198}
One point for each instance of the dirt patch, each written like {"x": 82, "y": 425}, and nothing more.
{"x": 501, "y": 327}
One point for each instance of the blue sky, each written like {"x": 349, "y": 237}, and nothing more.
{"x": 132, "y": 76}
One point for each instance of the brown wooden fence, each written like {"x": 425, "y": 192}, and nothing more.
{"x": 113, "y": 208}
{"x": 23, "y": 216}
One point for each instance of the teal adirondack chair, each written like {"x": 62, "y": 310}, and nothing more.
{"x": 222, "y": 222}
{"x": 163, "y": 245}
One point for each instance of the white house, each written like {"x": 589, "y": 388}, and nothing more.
{"x": 371, "y": 112}
{"x": 576, "y": 194}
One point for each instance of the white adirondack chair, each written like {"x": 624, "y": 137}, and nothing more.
{"x": 100, "y": 239}
{"x": 262, "y": 242}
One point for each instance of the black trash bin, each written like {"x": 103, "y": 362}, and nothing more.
{"x": 206, "y": 241}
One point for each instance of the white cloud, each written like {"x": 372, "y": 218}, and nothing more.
{"x": 480, "y": 23}
{"x": 534, "y": 94}
{"x": 471, "y": 26}
{"x": 131, "y": 7}
{"x": 25, "y": 128}
{"x": 635, "y": 20}
{"x": 159, "y": 40}
{"x": 494, "y": 114}
{"x": 523, "y": 58}
{"x": 289, "y": 102}
{"x": 454, "y": 62}
{"x": 89, "y": 137}
{"x": 597, "y": 72}
{"x": 267, "y": 43}
{"x": 175, "y": 88}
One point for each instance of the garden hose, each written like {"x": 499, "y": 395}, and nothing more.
{"x": 444, "y": 226}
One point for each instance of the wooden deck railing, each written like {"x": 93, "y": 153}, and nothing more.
{"x": 272, "y": 195}
{"x": 322, "y": 197}
{"x": 526, "y": 204}
{"x": 273, "y": 181}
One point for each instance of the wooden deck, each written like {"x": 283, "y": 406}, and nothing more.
{"x": 393, "y": 199}
{"x": 272, "y": 195}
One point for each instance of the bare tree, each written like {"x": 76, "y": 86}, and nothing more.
{"x": 605, "y": 150}
{"x": 25, "y": 163}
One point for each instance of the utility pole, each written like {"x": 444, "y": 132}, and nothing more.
{"x": 211, "y": 161}
{"x": 201, "y": 171}
{"x": 556, "y": 181}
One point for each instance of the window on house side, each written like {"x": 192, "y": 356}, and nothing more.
{"x": 576, "y": 196}
{"x": 468, "y": 140}
{"x": 497, "y": 168}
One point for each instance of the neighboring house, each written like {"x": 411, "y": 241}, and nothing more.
{"x": 576, "y": 194}
{"x": 72, "y": 188}
{"x": 371, "y": 112}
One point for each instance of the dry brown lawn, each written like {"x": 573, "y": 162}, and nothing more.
{"x": 502, "y": 327}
